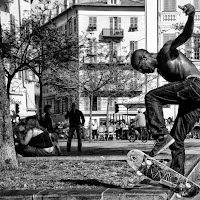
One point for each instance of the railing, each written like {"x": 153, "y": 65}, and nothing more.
{"x": 173, "y": 17}
{"x": 169, "y": 16}
{"x": 197, "y": 17}
{"x": 117, "y": 33}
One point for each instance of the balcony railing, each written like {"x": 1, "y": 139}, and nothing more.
{"x": 112, "y": 33}
{"x": 173, "y": 17}
{"x": 169, "y": 17}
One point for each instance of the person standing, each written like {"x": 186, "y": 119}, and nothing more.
{"x": 48, "y": 125}
{"x": 94, "y": 129}
{"x": 183, "y": 89}
{"x": 76, "y": 121}
{"x": 47, "y": 121}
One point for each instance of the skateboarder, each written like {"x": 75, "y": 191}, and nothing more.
{"x": 183, "y": 89}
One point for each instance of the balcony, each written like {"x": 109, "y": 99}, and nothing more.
{"x": 112, "y": 34}
{"x": 169, "y": 17}
{"x": 197, "y": 17}
{"x": 174, "y": 17}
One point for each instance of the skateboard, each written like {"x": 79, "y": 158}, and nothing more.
{"x": 145, "y": 165}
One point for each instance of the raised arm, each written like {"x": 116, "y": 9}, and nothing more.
{"x": 189, "y": 10}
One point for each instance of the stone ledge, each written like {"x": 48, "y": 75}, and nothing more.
{"x": 85, "y": 194}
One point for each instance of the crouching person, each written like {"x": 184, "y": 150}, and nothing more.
{"x": 35, "y": 141}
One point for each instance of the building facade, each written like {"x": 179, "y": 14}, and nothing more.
{"x": 22, "y": 91}
{"x": 118, "y": 26}
{"x": 130, "y": 25}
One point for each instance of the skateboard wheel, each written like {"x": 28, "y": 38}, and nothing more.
{"x": 139, "y": 173}
{"x": 188, "y": 185}
{"x": 143, "y": 164}
{"x": 148, "y": 162}
{"x": 178, "y": 196}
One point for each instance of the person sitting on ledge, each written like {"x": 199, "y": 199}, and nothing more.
{"x": 35, "y": 141}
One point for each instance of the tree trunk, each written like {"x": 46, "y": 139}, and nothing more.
{"x": 40, "y": 99}
{"x": 90, "y": 121}
{"x": 107, "y": 114}
{"x": 8, "y": 158}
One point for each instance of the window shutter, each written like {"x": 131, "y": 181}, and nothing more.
{"x": 98, "y": 103}
{"x": 197, "y": 4}
{"x": 111, "y": 22}
{"x": 166, "y": 5}
{"x": 135, "y": 45}
{"x": 90, "y": 20}
{"x": 173, "y": 5}
{"x": 131, "y": 45}
{"x": 119, "y": 22}
{"x": 95, "y": 20}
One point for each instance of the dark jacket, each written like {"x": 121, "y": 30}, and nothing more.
{"x": 47, "y": 123}
{"x": 75, "y": 118}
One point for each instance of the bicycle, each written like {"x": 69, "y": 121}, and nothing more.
{"x": 142, "y": 134}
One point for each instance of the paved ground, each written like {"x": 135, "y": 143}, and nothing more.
{"x": 111, "y": 150}
{"x": 121, "y": 147}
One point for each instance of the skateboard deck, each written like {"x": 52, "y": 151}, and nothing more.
{"x": 145, "y": 165}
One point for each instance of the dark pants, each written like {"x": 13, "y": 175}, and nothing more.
{"x": 187, "y": 95}
{"x": 94, "y": 133}
{"x": 70, "y": 136}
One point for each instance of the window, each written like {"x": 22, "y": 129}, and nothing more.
{"x": 197, "y": 4}
{"x": 92, "y": 24}
{"x": 75, "y": 25}
{"x": 70, "y": 26}
{"x": 133, "y": 46}
{"x": 94, "y": 105}
{"x": 196, "y": 47}
{"x": 66, "y": 29}
{"x": 57, "y": 106}
{"x": 133, "y": 24}
{"x": 61, "y": 29}
{"x": 168, "y": 36}
{"x": 98, "y": 103}
{"x": 65, "y": 105}
{"x": 93, "y": 51}
{"x": 112, "y": 105}
{"x": 86, "y": 102}
{"x": 113, "y": 1}
{"x": 115, "y": 23}
{"x": 169, "y": 5}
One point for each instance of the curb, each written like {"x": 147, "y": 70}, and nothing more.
{"x": 155, "y": 193}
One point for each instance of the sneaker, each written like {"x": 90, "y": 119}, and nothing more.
{"x": 161, "y": 144}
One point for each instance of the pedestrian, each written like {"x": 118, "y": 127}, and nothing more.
{"x": 183, "y": 90}
{"x": 46, "y": 120}
{"x": 94, "y": 130}
{"x": 76, "y": 122}
{"x": 47, "y": 123}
